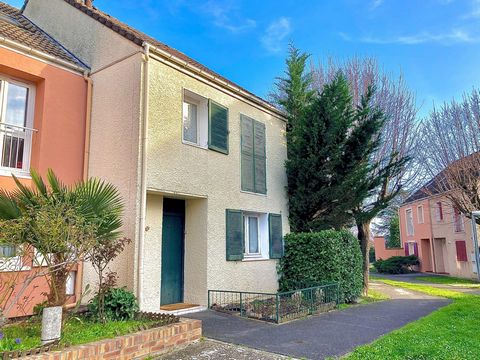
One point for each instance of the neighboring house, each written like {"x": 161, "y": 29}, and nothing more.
{"x": 198, "y": 160}
{"x": 43, "y": 109}
{"x": 434, "y": 230}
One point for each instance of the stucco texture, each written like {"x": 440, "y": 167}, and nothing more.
{"x": 210, "y": 183}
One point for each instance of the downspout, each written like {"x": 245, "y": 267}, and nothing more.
{"x": 143, "y": 170}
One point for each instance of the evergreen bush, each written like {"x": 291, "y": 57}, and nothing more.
{"x": 396, "y": 264}
{"x": 322, "y": 257}
{"x": 120, "y": 304}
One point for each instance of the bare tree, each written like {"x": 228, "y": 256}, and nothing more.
{"x": 393, "y": 162}
{"x": 451, "y": 151}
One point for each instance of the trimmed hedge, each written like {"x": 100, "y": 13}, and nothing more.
{"x": 322, "y": 257}
{"x": 396, "y": 264}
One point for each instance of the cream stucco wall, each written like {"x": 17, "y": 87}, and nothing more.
{"x": 214, "y": 179}
{"x": 92, "y": 42}
{"x": 446, "y": 230}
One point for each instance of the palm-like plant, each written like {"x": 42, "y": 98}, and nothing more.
{"x": 63, "y": 223}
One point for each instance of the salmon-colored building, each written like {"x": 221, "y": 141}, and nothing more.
{"x": 43, "y": 121}
{"x": 434, "y": 230}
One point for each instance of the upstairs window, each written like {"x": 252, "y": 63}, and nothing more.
{"x": 420, "y": 217}
{"x": 254, "y": 159}
{"x": 439, "y": 211}
{"x": 16, "y": 114}
{"x": 205, "y": 123}
{"x": 458, "y": 221}
{"x": 409, "y": 218}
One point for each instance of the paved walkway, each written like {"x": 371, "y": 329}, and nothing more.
{"x": 332, "y": 334}
{"x": 416, "y": 279}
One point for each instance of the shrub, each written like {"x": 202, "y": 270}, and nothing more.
{"x": 321, "y": 257}
{"x": 120, "y": 304}
{"x": 396, "y": 264}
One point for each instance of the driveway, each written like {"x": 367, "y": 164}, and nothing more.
{"x": 317, "y": 337}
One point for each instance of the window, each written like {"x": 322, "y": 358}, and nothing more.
{"x": 461, "y": 250}
{"x": 195, "y": 119}
{"x": 411, "y": 248}
{"x": 205, "y": 123}
{"x": 458, "y": 220}
{"x": 16, "y": 114}
{"x": 409, "y": 218}
{"x": 420, "y": 214}
{"x": 439, "y": 211}
{"x": 253, "y": 153}
{"x": 251, "y": 235}
{"x": 8, "y": 251}
{"x": 70, "y": 285}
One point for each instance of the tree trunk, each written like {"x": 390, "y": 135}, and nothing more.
{"x": 364, "y": 239}
{"x": 58, "y": 291}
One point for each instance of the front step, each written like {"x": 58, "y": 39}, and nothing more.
{"x": 181, "y": 310}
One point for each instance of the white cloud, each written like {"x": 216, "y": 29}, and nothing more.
{"x": 375, "y": 4}
{"x": 224, "y": 16}
{"x": 453, "y": 37}
{"x": 475, "y": 10}
{"x": 276, "y": 33}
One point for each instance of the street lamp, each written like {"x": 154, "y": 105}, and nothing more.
{"x": 475, "y": 215}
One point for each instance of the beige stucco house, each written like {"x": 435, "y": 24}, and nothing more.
{"x": 198, "y": 160}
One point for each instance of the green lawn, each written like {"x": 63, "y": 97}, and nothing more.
{"x": 449, "y": 333}
{"x": 76, "y": 331}
{"x": 448, "y": 280}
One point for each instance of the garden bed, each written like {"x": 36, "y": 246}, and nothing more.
{"x": 23, "y": 338}
{"x": 275, "y": 307}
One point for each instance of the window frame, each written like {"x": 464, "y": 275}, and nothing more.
{"x": 458, "y": 223}
{"x": 246, "y": 224}
{"x": 200, "y": 101}
{"x": 439, "y": 215}
{"x": 407, "y": 211}
{"x": 28, "y": 128}
{"x": 420, "y": 211}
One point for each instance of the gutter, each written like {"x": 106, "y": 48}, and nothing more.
{"x": 143, "y": 172}
{"x": 182, "y": 64}
{"x": 39, "y": 54}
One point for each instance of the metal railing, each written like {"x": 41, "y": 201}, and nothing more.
{"x": 275, "y": 307}
{"x": 15, "y": 147}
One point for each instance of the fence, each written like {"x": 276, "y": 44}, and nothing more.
{"x": 276, "y": 307}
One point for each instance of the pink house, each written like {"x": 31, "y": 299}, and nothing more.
{"x": 432, "y": 229}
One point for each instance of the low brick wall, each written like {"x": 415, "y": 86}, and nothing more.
{"x": 138, "y": 345}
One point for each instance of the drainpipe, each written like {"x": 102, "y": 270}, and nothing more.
{"x": 475, "y": 215}
{"x": 143, "y": 170}
{"x": 88, "y": 119}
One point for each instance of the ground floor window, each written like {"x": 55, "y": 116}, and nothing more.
{"x": 8, "y": 251}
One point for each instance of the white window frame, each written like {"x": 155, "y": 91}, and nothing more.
{"x": 411, "y": 247}
{"x": 71, "y": 283}
{"x": 420, "y": 211}
{"x": 263, "y": 237}
{"x": 439, "y": 212}
{"x": 28, "y": 130}
{"x": 407, "y": 211}
{"x": 460, "y": 219}
{"x": 189, "y": 97}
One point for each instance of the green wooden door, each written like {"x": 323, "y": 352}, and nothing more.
{"x": 172, "y": 251}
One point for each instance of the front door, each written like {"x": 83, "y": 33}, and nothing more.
{"x": 172, "y": 251}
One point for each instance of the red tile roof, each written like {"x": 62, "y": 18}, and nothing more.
{"x": 16, "y": 27}
{"x": 139, "y": 38}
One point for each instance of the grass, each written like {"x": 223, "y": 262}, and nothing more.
{"x": 373, "y": 296}
{"x": 449, "y": 333}
{"x": 76, "y": 331}
{"x": 448, "y": 280}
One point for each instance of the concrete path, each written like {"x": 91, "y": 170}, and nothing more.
{"x": 416, "y": 279}
{"x": 332, "y": 334}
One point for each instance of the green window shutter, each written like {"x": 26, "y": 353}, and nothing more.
{"x": 275, "y": 236}
{"x": 248, "y": 165}
{"x": 235, "y": 235}
{"x": 217, "y": 127}
{"x": 260, "y": 158}
{"x": 254, "y": 177}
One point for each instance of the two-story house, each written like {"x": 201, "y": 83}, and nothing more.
{"x": 434, "y": 230}
{"x": 198, "y": 159}
{"x": 43, "y": 117}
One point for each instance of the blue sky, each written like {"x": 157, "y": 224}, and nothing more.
{"x": 434, "y": 43}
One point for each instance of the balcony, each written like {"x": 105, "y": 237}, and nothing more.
{"x": 15, "y": 149}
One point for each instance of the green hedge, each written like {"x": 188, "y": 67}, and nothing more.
{"x": 396, "y": 264}
{"x": 321, "y": 257}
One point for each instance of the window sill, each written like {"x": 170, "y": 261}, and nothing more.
{"x": 22, "y": 174}
{"x": 255, "y": 258}
{"x": 253, "y": 193}
{"x": 194, "y": 145}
